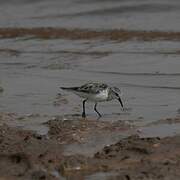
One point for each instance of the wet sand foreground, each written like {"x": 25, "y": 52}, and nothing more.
{"x": 29, "y": 155}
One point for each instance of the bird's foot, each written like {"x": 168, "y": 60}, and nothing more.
{"x": 83, "y": 115}
{"x": 126, "y": 109}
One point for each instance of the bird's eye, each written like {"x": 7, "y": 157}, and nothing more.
{"x": 116, "y": 89}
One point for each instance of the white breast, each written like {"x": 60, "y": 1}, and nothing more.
{"x": 102, "y": 96}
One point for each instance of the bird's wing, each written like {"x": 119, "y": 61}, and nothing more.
{"x": 92, "y": 88}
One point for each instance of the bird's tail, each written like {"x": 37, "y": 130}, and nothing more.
{"x": 69, "y": 88}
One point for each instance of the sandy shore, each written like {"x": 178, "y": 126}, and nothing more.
{"x": 28, "y": 155}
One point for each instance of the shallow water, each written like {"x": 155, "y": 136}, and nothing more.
{"x": 145, "y": 72}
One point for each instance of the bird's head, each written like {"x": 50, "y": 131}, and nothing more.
{"x": 116, "y": 94}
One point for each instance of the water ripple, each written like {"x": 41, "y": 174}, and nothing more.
{"x": 133, "y": 74}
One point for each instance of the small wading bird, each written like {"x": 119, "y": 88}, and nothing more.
{"x": 95, "y": 92}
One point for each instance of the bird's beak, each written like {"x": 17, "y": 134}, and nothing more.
{"x": 119, "y": 99}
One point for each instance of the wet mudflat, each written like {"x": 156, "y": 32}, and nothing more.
{"x": 29, "y": 155}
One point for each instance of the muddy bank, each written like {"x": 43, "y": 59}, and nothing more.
{"x": 28, "y": 155}
{"x": 130, "y": 158}
{"x": 83, "y": 34}
{"x": 25, "y": 155}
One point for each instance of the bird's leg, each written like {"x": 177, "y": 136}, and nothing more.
{"x": 96, "y": 109}
{"x": 119, "y": 99}
{"x": 84, "y": 111}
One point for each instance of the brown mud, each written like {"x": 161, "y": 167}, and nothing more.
{"x": 80, "y": 130}
{"x": 83, "y": 34}
{"x": 27, "y": 155}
